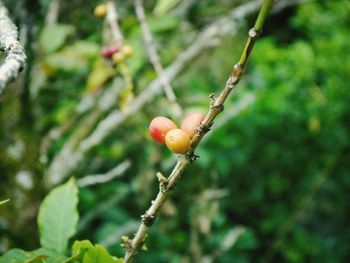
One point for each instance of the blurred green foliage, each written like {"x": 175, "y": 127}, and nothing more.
{"x": 282, "y": 163}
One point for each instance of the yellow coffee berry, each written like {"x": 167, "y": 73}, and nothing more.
{"x": 100, "y": 10}
{"x": 177, "y": 141}
{"x": 127, "y": 51}
{"x": 118, "y": 57}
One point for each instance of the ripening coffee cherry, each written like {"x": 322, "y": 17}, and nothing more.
{"x": 177, "y": 141}
{"x": 100, "y": 10}
{"x": 118, "y": 57}
{"x": 107, "y": 52}
{"x": 191, "y": 122}
{"x": 127, "y": 51}
{"x": 159, "y": 127}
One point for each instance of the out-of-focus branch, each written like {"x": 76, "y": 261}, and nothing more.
{"x": 99, "y": 104}
{"x": 53, "y": 12}
{"x": 227, "y": 242}
{"x": 106, "y": 177}
{"x": 204, "y": 209}
{"x": 112, "y": 20}
{"x": 68, "y": 159}
{"x": 16, "y": 56}
{"x": 155, "y": 59}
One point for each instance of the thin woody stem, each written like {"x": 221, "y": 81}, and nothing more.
{"x": 167, "y": 185}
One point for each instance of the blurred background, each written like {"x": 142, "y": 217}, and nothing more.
{"x": 272, "y": 182}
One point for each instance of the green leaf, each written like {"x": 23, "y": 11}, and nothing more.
{"x": 163, "y": 23}
{"x": 52, "y": 37}
{"x": 98, "y": 76}
{"x": 20, "y": 256}
{"x": 58, "y": 217}
{"x": 13, "y": 256}
{"x": 86, "y": 49}
{"x": 164, "y": 6}
{"x": 4, "y": 201}
{"x": 93, "y": 254}
{"x": 72, "y": 58}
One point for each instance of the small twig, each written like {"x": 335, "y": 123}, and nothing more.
{"x": 216, "y": 107}
{"x": 202, "y": 212}
{"x": 112, "y": 20}
{"x": 53, "y": 12}
{"x": 103, "y": 178}
{"x": 228, "y": 241}
{"x": 16, "y": 57}
{"x": 155, "y": 59}
{"x": 4, "y": 201}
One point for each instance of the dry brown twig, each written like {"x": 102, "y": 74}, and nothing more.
{"x": 168, "y": 184}
{"x": 16, "y": 56}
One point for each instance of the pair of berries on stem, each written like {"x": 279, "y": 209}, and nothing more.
{"x": 165, "y": 131}
{"x": 117, "y": 54}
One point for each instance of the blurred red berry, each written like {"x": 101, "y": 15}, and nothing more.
{"x": 107, "y": 52}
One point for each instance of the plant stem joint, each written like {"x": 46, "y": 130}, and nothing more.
{"x": 148, "y": 219}
{"x": 192, "y": 157}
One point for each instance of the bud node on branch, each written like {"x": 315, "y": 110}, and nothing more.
{"x": 202, "y": 128}
{"x": 212, "y": 99}
{"x": 218, "y": 108}
{"x": 148, "y": 219}
{"x": 163, "y": 183}
{"x": 192, "y": 157}
{"x": 127, "y": 243}
{"x": 236, "y": 74}
{"x": 254, "y": 33}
